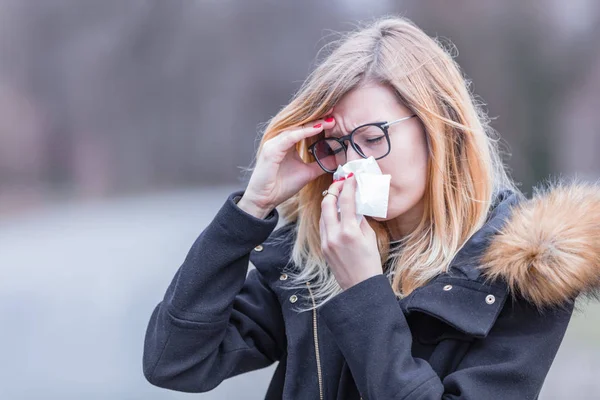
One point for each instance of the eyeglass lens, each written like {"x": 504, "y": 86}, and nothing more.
{"x": 369, "y": 140}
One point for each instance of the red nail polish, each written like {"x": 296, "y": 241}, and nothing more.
{"x": 350, "y": 175}
{"x": 330, "y": 119}
{"x": 317, "y": 126}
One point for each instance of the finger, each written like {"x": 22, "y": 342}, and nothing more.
{"x": 287, "y": 139}
{"x": 329, "y": 111}
{"x": 314, "y": 169}
{"x": 365, "y": 227}
{"x": 322, "y": 233}
{"x": 329, "y": 209}
{"x": 348, "y": 203}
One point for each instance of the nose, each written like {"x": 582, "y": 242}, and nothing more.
{"x": 351, "y": 154}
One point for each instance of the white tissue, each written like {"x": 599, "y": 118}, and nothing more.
{"x": 372, "y": 187}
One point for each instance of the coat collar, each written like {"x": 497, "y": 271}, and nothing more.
{"x": 463, "y": 298}
{"x": 545, "y": 250}
{"x": 468, "y": 258}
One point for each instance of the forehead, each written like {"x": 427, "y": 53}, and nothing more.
{"x": 368, "y": 103}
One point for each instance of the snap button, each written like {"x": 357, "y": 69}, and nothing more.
{"x": 447, "y": 287}
{"x": 293, "y": 298}
{"x": 283, "y": 277}
{"x": 490, "y": 299}
{"x": 259, "y": 248}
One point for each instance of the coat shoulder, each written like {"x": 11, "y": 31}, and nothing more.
{"x": 541, "y": 252}
{"x": 548, "y": 251}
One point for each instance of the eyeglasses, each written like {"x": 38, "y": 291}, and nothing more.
{"x": 367, "y": 140}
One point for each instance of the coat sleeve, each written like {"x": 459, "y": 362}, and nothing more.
{"x": 511, "y": 362}
{"x": 215, "y": 322}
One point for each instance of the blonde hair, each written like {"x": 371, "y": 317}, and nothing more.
{"x": 465, "y": 168}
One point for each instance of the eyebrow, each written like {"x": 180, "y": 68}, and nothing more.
{"x": 347, "y": 133}
{"x": 340, "y": 134}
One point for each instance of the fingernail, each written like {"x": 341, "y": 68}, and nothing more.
{"x": 330, "y": 119}
{"x": 350, "y": 175}
{"x": 339, "y": 179}
{"x": 317, "y": 126}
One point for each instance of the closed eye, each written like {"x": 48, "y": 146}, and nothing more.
{"x": 375, "y": 140}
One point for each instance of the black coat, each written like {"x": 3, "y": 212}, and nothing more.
{"x": 457, "y": 337}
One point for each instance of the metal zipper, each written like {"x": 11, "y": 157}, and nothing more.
{"x": 316, "y": 340}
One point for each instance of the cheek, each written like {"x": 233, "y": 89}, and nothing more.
{"x": 407, "y": 164}
{"x": 408, "y": 168}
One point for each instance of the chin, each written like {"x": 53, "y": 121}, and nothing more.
{"x": 379, "y": 219}
{"x": 401, "y": 211}
{"x": 388, "y": 217}
{"x": 393, "y": 212}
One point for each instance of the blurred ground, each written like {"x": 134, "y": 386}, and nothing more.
{"x": 79, "y": 282}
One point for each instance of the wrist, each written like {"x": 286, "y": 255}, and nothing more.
{"x": 251, "y": 208}
{"x": 353, "y": 281}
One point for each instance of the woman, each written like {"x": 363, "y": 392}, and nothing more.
{"x": 464, "y": 290}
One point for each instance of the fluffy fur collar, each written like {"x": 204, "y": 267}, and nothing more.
{"x": 549, "y": 249}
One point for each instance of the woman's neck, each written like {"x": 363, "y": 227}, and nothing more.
{"x": 406, "y": 223}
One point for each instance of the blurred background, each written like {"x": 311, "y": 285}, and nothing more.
{"x": 125, "y": 124}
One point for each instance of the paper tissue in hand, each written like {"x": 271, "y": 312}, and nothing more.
{"x": 372, "y": 187}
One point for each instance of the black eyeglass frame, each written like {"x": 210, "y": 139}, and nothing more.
{"x": 350, "y": 137}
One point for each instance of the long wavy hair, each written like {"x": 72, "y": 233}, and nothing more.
{"x": 465, "y": 168}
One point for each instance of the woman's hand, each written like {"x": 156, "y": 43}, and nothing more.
{"x": 280, "y": 172}
{"x": 349, "y": 246}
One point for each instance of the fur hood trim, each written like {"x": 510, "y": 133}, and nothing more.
{"x": 548, "y": 251}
